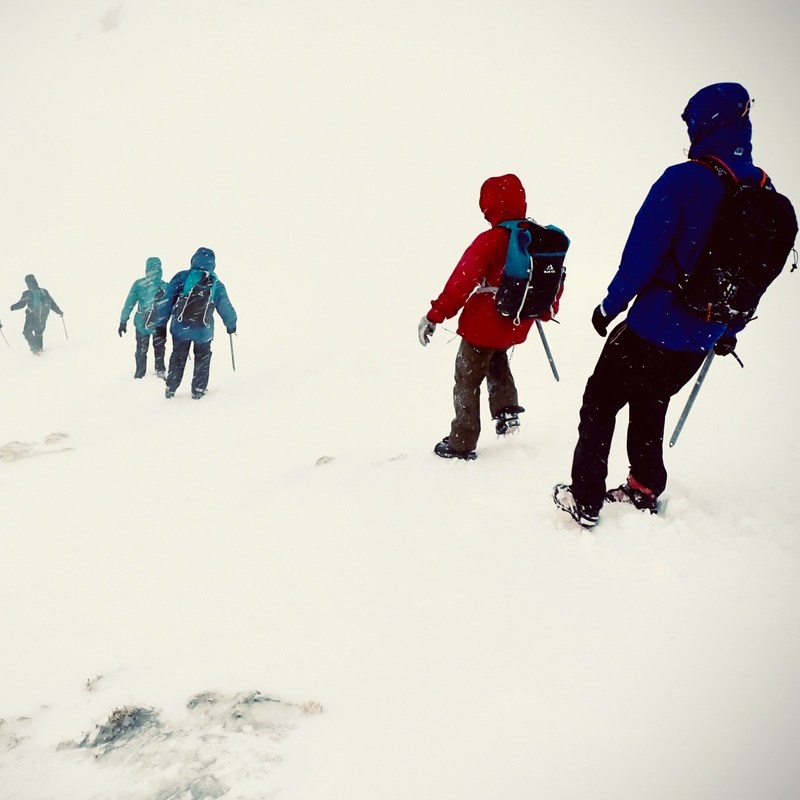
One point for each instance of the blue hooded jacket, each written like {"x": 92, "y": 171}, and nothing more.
{"x": 675, "y": 220}
{"x": 203, "y": 262}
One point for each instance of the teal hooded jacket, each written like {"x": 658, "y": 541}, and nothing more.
{"x": 146, "y": 292}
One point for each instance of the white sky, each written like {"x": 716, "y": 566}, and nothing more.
{"x": 464, "y": 640}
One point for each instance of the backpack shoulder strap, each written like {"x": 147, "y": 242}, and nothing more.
{"x": 718, "y": 166}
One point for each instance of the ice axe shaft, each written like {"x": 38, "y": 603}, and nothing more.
{"x": 233, "y": 358}
{"x": 690, "y": 402}
{"x": 547, "y": 349}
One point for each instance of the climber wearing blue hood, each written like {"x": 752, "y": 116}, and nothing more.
{"x": 191, "y": 298}
{"x": 146, "y": 293}
{"x": 660, "y": 345}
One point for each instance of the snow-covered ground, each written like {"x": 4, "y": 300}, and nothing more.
{"x": 278, "y": 591}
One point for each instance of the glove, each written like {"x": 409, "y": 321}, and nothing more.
{"x": 230, "y": 330}
{"x": 426, "y": 329}
{"x": 725, "y": 345}
{"x": 123, "y": 328}
{"x": 600, "y": 321}
{"x": 161, "y": 332}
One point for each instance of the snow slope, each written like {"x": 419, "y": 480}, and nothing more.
{"x": 278, "y": 591}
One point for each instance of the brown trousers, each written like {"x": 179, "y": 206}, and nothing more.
{"x": 473, "y": 365}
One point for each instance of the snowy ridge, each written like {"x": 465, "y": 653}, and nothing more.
{"x": 289, "y": 542}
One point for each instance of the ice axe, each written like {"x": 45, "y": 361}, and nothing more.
{"x": 233, "y": 358}
{"x": 690, "y": 402}
{"x": 547, "y": 349}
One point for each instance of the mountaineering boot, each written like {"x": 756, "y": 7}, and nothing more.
{"x": 197, "y": 393}
{"x": 565, "y": 500}
{"x": 444, "y": 450}
{"x": 634, "y": 493}
{"x": 507, "y": 420}
{"x": 169, "y": 393}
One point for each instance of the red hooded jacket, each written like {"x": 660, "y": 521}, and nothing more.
{"x": 501, "y": 199}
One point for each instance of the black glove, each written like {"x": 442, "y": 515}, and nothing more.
{"x": 231, "y": 330}
{"x": 161, "y": 332}
{"x": 600, "y": 321}
{"x": 123, "y": 328}
{"x": 725, "y": 345}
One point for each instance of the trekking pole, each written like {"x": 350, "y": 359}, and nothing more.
{"x": 547, "y": 349}
{"x": 65, "y": 327}
{"x": 233, "y": 358}
{"x": 690, "y": 402}
{"x": 4, "y": 336}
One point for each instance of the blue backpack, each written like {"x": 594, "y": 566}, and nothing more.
{"x": 534, "y": 269}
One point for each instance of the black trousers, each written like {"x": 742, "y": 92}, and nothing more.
{"x": 643, "y": 376}
{"x": 473, "y": 366}
{"x": 177, "y": 364}
{"x": 142, "y": 345}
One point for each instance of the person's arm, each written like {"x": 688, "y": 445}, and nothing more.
{"x": 22, "y": 302}
{"x": 466, "y": 276}
{"x": 130, "y": 302}
{"x": 224, "y": 307}
{"x": 53, "y": 305}
{"x": 649, "y": 240}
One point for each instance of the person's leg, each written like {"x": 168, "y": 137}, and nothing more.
{"x": 32, "y": 335}
{"x": 159, "y": 349}
{"x": 471, "y": 367}
{"x": 664, "y": 374}
{"x": 177, "y": 364}
{"x": 500, "y": 384}
{"x": 202, "y": 367}
{"x": 142, "y": 343}
{"x": 607, "y": 391}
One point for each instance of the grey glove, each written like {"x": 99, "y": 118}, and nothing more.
{"x": 426, "y": 329}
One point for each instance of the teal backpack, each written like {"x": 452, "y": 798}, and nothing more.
{"x": 534, "y": 269}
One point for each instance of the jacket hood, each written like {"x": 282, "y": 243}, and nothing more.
{"x": 502, "y": 199}
{"x": 31, "y": 282}
{"x": 152, "y": 268}
{"x": 721, "y": 111}
{"x": 204, "y": 259}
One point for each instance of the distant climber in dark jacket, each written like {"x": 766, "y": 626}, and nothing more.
{"x": 37, "y": 303}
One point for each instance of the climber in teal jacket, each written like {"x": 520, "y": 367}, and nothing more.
{"x": 191, "y": 298}
{"x": 147, "y": 292}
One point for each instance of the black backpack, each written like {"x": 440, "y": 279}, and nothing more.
{"x": 534, "y": 269}
{"x": 196, "y": 306}
{"x": 745, "y": 251}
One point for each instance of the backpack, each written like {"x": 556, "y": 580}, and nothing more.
{"x": 534, "y": 272}
{"x": 745, "y": 251}
{"x": 195, "y": 305}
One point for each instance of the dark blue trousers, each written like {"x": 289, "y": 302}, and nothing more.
{"x": 177, "y": 364}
